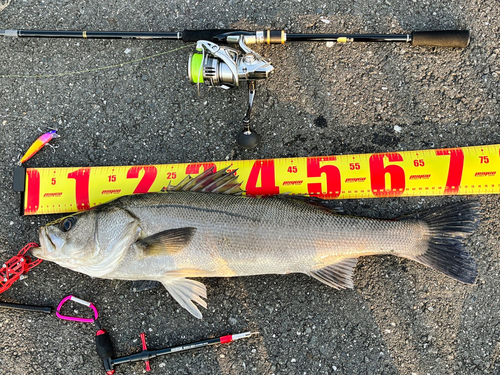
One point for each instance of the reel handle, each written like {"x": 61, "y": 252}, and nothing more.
{"x": 248, "y": 138}
{"x": 441, "y": 38}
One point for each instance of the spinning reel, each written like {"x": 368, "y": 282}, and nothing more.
{"x": 226, "y": 67}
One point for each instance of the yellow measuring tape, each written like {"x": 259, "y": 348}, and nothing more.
{"x": 462, "y": 171}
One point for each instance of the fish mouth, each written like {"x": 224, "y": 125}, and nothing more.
{"x": 37, "y": 251}
{"x": 47, "y": 246}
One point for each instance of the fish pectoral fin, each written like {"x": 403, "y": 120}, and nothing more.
{"x": 186, "y": 292}
{"x": 337, "y": 275}
{"x": 169, "y": 241}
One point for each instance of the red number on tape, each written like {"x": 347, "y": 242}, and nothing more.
{"x": 332, "y": 173}
{"x": 378, "y": 171}
{"x": 455, "y": 169}
{"x": 484, "y": 159}
{"x": 265, "y": 169}
{"x": 33, "y": 196}
{"x": 195, "y": 167}
{"x": 147, "y": 179}
{"x": 81, "y": 177}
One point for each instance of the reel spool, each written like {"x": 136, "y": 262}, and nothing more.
{"x": 226, "y": 67}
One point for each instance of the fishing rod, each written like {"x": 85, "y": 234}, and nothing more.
{"x": 227, "y": 67}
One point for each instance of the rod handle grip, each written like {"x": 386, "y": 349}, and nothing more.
{"x": 441, "y": 38}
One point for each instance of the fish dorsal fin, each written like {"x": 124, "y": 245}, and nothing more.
{"x": 220, "y": 182}
{"x": 307, "y": 199}
{"x": 169, "y": 241}
{"x": 186, "y": 292}
{"x": 337, "y": 275}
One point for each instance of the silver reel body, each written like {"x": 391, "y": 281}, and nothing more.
{"x": 226, "y": 67}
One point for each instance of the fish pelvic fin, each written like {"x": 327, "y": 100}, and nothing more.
{"x": 186, "y": 292}
{"x": 337, "y": 275}
{"x": 169, "y": 241}
{"x": 449, "y": 227}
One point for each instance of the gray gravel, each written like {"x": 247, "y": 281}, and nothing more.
{"x": 401, "y": 318}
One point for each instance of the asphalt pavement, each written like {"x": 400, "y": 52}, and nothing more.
{"x": 401, "y": 318}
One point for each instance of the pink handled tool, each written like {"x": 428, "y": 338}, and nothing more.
{"x": 75, "y": 318}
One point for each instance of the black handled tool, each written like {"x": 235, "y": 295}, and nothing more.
{"x": 15, "y": 306}
{"x": 105, "y": 349}
{"x": 227, "y": 67}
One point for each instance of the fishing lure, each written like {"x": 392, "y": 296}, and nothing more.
{"x": 39, "y": 143}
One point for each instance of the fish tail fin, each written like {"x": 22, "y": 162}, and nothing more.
{"x": 448, "y": 228}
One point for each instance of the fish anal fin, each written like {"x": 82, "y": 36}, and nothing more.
{"x": 186, "y": 292}
{"x": 169, "y": 241}
{"x": 337, "y": 275}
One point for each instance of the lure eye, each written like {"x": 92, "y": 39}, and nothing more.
{"x": 67, "y": 224}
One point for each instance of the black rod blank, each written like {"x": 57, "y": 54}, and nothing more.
{"x": 347, "y": 38}
{"x": 92, "y": 34}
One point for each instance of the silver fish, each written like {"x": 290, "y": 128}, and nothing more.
{"x": 195, "y": 230}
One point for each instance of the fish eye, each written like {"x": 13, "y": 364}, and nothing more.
{"x": 67, "y": 224}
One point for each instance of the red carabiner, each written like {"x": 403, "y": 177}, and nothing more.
{"x": 16, "y": 267}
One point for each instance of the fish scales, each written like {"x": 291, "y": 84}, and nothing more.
{"x": 197, "y": 229}
{"x": 237, "y": 236}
